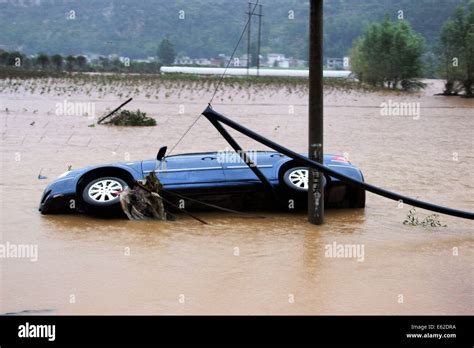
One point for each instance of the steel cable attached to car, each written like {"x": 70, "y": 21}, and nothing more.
{"x": 220, "y": 79}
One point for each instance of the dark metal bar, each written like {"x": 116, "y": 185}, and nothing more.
{"x": 114, "y": 111}
{"x": 315, "y": 116}
{"x": 210, "y": 114}
{"x": 243, "y": 156}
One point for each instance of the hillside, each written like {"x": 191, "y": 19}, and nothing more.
{"x": 134, "y": 29}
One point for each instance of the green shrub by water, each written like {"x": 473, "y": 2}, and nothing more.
{"x": 132, "y": 118}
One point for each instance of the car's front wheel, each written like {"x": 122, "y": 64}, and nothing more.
{"x": 102, "y": 194}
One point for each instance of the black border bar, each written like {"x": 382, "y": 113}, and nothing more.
{"x": 261, "y": 330}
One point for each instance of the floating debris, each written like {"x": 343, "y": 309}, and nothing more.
{"x": 431, "y": 220}
{"x": 132, "y": 118}
{"x": 144, "y": 201}
{"x": 41, "y": 177}
{"x": 30, "y": 311}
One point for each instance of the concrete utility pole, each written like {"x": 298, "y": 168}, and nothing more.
{"x": 259, "y": 38}
{"x": 249, "y": 33}
{"x": 315, "y": 124}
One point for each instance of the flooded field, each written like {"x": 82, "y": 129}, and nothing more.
{"x": 276, "y": 265}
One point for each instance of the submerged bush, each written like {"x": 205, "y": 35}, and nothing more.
{"x": 132, "y": 118}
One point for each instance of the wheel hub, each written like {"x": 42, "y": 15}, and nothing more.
{"x": 299, "y": 178}
{"x": 105, "y": 190}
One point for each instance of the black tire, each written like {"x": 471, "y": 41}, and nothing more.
{"x": 103, "y": 200}
{"x": 357, "y": 198}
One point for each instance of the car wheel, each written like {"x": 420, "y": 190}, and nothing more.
{"x": 296, "y": 178}
{"x": 357, "y": 198}
{"x": 103, "y": 193}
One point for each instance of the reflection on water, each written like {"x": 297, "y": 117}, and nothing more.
{"x": 274, "y": 265}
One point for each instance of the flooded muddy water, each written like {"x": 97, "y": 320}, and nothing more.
{"x": 276, "y": 265}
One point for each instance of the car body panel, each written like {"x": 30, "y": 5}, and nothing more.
{"x": 208, "y": 172}
{"x": 187, "y": 169}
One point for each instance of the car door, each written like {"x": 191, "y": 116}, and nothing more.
{"x": 188, "y": 170}
{"x": 235, "y": 169}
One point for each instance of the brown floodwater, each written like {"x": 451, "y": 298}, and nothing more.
{"x": 276, "y": 265}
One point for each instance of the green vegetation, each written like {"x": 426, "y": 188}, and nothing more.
{"x": 57, "y": 63}
{"x": 456, "y": 52}
{"x": 166, "y": 52}
{"x": 161, "y": 88}
{"x": 42, "y": 60}
{"x": 389, "y": 54}
{"x": 129, "y": 85}
{"x": 132, "y": 118}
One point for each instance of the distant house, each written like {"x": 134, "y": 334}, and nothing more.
{"x": 242, "y": 62}
{"x": 217, "y": 62}
{"x": 335, "y": 64}
{"x": 274, "y": 59}
{"x": 236, "y": 62}
{"x": 185, "y": 60}
{"x": 298, "y": 63}
{"x": 202, "y": 61}
{"x": 136, "y": 60}
{"x": 285, "y": 63}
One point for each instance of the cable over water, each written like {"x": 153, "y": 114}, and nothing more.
{"x": 220, "y": 79}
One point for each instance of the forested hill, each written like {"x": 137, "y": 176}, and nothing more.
{"x": 134, "y": 28}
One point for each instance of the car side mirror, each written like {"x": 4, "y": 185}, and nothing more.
{"x": 161, "y": 153}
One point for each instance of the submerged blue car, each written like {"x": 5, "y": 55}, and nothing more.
{"x": 212, "y": 177}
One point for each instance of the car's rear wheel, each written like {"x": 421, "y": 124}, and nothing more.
{"x": 102, "y": 194}
{"x": 357, "y": 198}
{"x": 296, "y": 178}
{"x": 294, "y": 181}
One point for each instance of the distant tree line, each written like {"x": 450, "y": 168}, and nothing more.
{"x": 456, "y": 52}
{"x": 58, "y": 63}
{"x": 390, "y": 54}
{"x": 207, "y": 28}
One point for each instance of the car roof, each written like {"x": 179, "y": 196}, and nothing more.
{"x": 212, "y": 152}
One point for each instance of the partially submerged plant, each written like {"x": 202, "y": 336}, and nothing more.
{"x": 144, "y": 201}
{"x": 431, "y": 220}
{"x": 131, "y": 118}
